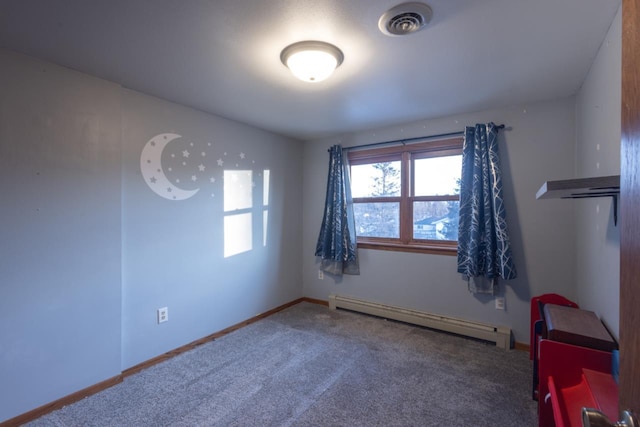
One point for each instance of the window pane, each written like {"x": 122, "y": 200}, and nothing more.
{"x": 435, "y": 220}
{"x": 377, "y": 219}
{"x": 376, "y": 179}
{"x": 437, "y": 175}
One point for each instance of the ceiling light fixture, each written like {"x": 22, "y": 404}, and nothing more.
{"x": 311, "y": 61}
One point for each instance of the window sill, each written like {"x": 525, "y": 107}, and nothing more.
{"x": 433, "y": 248}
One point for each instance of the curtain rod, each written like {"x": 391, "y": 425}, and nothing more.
{"x": 410, "y": 140}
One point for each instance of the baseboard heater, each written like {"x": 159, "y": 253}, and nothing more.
{"x": 499, "y": 334}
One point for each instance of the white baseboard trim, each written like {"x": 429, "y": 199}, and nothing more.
{"x": 501, "y": 335}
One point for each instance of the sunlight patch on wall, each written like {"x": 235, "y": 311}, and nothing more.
{"x": 265, "y": 187}
{"x": 266, "y": 174}
{"x": 238, "y": 223}
{"x": 237, "y": 190}
{"x": 238, "y": 236}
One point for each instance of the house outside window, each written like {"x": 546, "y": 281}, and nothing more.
{"x": 407, "y": 198}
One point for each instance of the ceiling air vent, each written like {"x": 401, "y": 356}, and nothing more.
{"x": 405, "y": 18}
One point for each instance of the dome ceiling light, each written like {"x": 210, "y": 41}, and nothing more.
{"x": 311, "y": 61}
{"x": 405, "y": 18}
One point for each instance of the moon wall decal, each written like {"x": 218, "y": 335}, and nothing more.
{"x": 152, "y": 172}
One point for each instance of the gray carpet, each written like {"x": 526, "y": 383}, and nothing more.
{"x": 311, "y": 366}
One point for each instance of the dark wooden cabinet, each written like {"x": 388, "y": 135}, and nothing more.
{"x": 578, "y": 327}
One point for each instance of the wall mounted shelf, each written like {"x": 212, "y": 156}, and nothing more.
{"x": 583, "y": 188}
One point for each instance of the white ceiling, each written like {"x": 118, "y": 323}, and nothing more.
{"x": 223, "y": 56}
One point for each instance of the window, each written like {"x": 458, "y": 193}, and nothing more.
{"x": 407, "y": 198}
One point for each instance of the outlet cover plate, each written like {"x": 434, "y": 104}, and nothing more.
{"x": 163, "y": 314}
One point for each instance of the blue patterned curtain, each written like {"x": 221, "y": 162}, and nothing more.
{"x": 484, "y": 251}
{"x": 336, "y": 245}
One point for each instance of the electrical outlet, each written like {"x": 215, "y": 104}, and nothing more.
{"x": 320, "y": 275}
{"x": 163, "y": 314}
{"x": 500, "y": 303}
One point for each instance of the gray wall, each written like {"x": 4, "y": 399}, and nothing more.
{"x": 598, "y": 154}
{"x": 89, "y": 251}
{"x": 538, "y": 146}
{"x": 60, "y": 292}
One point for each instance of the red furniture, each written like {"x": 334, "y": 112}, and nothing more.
{"x": 573, "y": 377}
{"x": 574, "y": 367}
{"x": 538, "y": 330}
{"x": 536, "y": 315}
